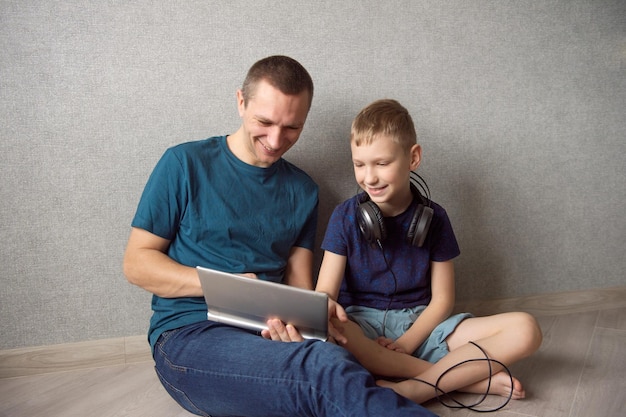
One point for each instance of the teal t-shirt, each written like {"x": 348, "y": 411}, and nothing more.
{"x": 221, "y": 213}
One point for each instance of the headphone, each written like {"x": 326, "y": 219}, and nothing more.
{"x": 371, "y": 220}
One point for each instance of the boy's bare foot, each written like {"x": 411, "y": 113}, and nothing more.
{"x": 500, "y": 385}
{"x": 419, "y": 392}
{"x": 410, "y": 388}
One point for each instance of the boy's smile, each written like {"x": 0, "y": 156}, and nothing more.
{"x": 375, "y": 191}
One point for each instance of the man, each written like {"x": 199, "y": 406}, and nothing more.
{"x": 232, "y": 203}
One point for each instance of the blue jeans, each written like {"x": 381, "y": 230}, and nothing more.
{"x": 212, "y": 369}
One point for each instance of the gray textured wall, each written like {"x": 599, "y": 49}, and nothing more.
{"x": 519, "y": 107}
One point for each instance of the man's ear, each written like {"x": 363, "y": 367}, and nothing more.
{"x": 241, "y": 106}
{"x": 416, "y": 156}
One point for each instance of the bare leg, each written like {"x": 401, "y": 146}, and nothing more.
{"x": 378, "y": 359}
{"x": 506, "y": 337}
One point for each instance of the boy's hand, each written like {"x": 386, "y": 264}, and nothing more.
{"x": 390, "y": 344}
{"x": 336, "y": 315}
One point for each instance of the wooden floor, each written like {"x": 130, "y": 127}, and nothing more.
{"x": 579, "y": 371}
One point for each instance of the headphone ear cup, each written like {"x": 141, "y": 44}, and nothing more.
{"x": 420, "y": 223}
{"x": 371, "y": 223}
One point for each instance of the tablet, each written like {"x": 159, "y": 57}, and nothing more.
{"x": 247, "y": 302}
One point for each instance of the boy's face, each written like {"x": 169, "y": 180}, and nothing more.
{"x": 272, "y": 122}
{"x": 382, "y": 169}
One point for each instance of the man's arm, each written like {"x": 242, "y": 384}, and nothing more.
{"x": 299, "y": 270}
{"x": 147, "y": 265}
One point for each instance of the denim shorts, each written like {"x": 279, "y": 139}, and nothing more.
{"x": 397, "y": 322}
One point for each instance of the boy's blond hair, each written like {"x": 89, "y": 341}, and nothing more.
{"x": 384, "y": 117}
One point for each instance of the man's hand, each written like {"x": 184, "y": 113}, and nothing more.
{"x": 281, "y": 332}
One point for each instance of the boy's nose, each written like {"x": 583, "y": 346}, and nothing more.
{"x": 370, "y": 176}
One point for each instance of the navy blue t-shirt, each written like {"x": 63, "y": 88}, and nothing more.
{"x": 221, "y": 213}
{"x": 368, "y": 280}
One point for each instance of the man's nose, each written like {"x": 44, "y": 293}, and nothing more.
{"x": 275, "y": 137}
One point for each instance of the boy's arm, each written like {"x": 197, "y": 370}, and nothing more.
{"x": 439, "y": 308}
{"x": 329, "y": 281}
{"x": 331, "y": 274}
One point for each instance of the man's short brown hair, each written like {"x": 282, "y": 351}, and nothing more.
{"x": 281, "y": 72}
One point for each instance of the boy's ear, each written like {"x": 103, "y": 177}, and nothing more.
{"x": 416, "y": 156}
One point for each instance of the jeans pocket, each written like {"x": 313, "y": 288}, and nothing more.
{"x": 179, "y": 396}
{"x": 161, "y": 361}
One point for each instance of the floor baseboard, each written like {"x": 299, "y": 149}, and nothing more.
{"x": 119, "y": 351}
{"x": 72, "y": 356}
{"x": 567, "y": 302}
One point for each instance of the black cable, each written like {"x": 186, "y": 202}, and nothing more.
{"x": 439, "y": 392}
{"x": 395, "y": 288}
{"x": 420, "y": 183}
{"x": 423, "y": 186}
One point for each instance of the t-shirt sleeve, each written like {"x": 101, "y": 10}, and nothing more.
{"x": 444, "y": 246}
{"x": 163, "y": 199}
{"x": 334, "y": 238}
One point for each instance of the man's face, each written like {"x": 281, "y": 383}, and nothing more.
{"x": 272, "y": 122}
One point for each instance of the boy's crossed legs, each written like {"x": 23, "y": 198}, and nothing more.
{"x": 506, "y": 337}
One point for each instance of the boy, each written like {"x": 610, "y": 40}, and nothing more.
{"x": 388, "y": 262}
